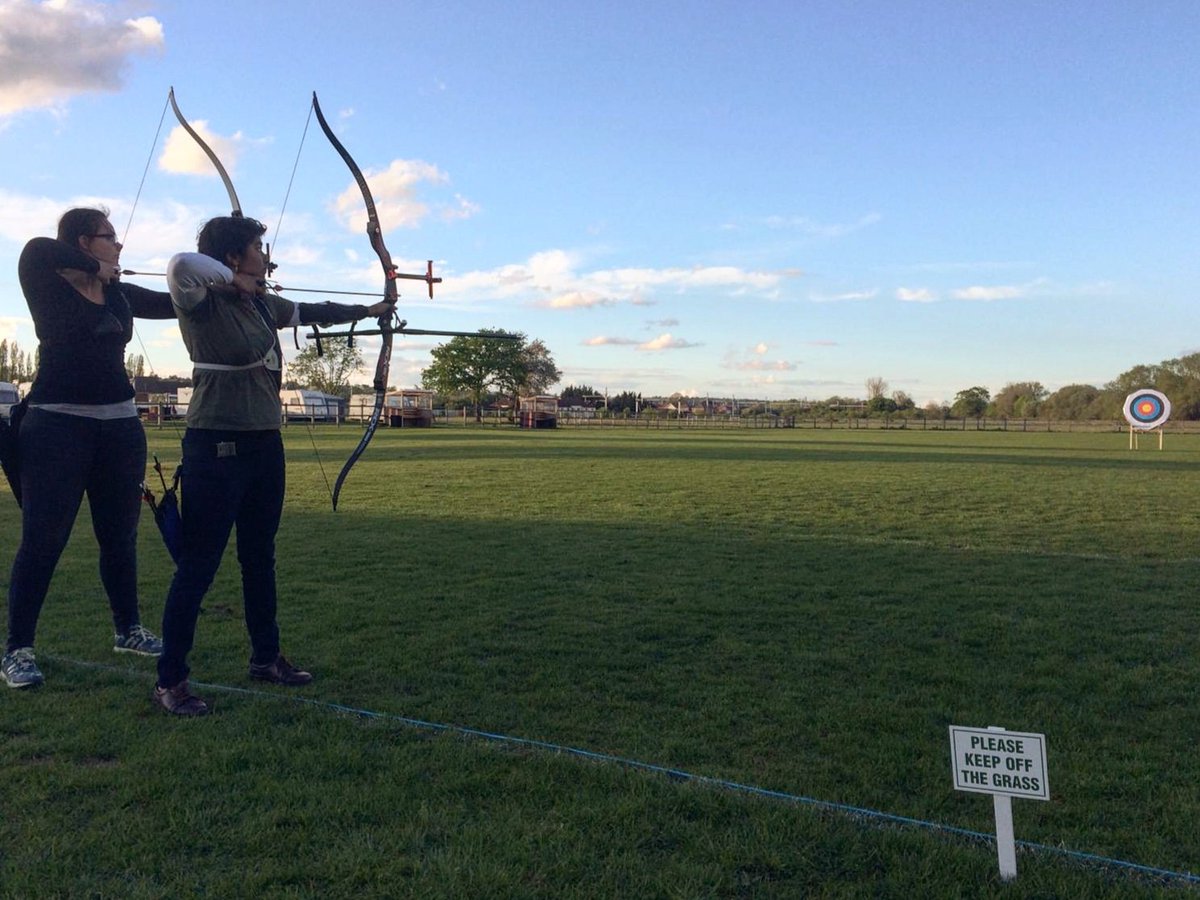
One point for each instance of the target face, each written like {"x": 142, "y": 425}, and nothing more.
{"x": 1147, "y": 409}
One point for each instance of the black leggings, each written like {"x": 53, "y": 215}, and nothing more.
{"x": 62, "y": 458}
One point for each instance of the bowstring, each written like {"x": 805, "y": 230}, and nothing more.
{"x": 148, "y": 494}
{"x": 292, "y": 179}
{"x": 129, "y": 223}
{"x": 278, "y": 224}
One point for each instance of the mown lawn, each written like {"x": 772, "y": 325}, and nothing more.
{"x": 798, "y": 611}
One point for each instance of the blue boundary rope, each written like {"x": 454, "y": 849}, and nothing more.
{"x": 673, "y": 774}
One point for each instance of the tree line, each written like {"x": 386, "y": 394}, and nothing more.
{"x": 15, "y": 365}
{"x": 1178, "y": 379}
{"x": 480, "y": 371}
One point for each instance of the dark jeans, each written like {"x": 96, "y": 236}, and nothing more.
{"x": 62, "y": 458}
{"x": 229, "y": 478}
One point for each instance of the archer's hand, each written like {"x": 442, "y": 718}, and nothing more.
{"x": 248, "y": 285}
{"x": 383, "y": 307}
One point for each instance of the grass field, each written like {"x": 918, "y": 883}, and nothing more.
{"x": 804, "y": 612}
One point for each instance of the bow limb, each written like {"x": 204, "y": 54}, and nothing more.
{"x": 375, "y": 235}
{"x": 208, "y": 151}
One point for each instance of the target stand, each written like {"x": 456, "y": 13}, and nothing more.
{"x": 1135, "y": 433}
{"x": 1146, "y": 411}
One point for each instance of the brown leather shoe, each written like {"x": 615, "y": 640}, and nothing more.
{"x": 179, "y": 701}
{"x": 280, "y": 672}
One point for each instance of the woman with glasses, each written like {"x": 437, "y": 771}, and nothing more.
{"x": 81, "y": 433}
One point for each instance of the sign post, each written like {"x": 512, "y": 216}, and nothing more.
{"x": 1005, "y": 764}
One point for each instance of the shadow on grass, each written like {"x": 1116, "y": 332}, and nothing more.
{"x": 931, "y": 448}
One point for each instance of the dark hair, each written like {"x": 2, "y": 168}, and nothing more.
{"x": 226, "y": 235}
{"x": 82, "y": 221}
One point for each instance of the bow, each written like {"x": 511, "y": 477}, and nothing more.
{"x": 390, "y": 294}
{"x": 208, "y": 151}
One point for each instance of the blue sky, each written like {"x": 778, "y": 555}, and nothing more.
{"x": 757, "y": 199}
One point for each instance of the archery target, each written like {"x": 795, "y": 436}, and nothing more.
{"x": 1147, "y": 409}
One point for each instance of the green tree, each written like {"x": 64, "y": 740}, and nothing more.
{"x": 577, "y": 395}
{"x": 135, "y": 366}
{"x": 1179, "y": 379}
{"x": 935, "y": 410}
{"x": 330, "y": 371}
{"x": 533, "y": 374}
{"x": 1076, "y": 402}
{"x": 970, "y": 402}
{"x": 15, "y": 366}
{"x": 1020, "y": 399}
{"x": 625, "y": 402}
{"x": 881, "y": 405}
{"x": 473, "y": 366}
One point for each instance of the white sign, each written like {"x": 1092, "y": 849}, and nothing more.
{"x": 1012, "y": 763}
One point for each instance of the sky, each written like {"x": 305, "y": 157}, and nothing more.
{"x": 752, "y": 199}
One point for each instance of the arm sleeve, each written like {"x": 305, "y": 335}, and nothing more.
{"x": 43, "y": 257}
{"x": 330, "y": 313}
{"x": 148, "y": 304}
{"x": 190, "y": 275}
{"x": 56, "y": 306}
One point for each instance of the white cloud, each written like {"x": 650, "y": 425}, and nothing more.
{"x": 394, "y": 190}
{"x": 985, "y": 293}
{"x": 765, "y": 365}
{"x": 577, "y": 300}
{"x": 462, "y": 208}
{"x": 666, "y": 342}
{"x": 23, "y": 216}
{"x": 52, "y": 51}
{"x": 183, "y": 156}
{"x": 754, "y": 360}
{"x": 10, "y": 324}
{"x": 848, "y": 297}
{"x": 826, "y": 230}
{"x": 606, "y": 341}
{"x": 553, "y": 279}
{"x": 915, "y": 295}
{"x": 158, "y": 231}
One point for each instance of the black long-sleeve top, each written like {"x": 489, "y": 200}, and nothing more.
{"x": 81, "y": 344}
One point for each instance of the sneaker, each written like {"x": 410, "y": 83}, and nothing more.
{"x": 138, "y": 640}
{"x": 280, "y": 672}
{"x": 20, "y": 671}
{"x": 180, "y": 701}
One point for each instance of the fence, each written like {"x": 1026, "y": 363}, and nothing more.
{"x": 575, "y": 420}
{"x": 883, "y": 423}
{"x": 358, "y": 413}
